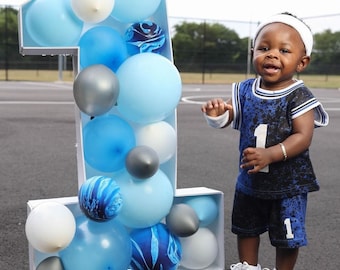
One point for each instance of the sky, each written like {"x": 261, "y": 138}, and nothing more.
{"x": 254, "y": 11}
{"x": 317, "y": 14}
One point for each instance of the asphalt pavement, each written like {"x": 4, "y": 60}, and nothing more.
{"x": 38, "y": 160}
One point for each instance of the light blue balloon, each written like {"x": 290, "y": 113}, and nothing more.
{"x": 205, "y": 207}
{"x": 150, "y": 88}
{"x": 102, "y": 45}
{"x": 146, "y": 202}
{"x": 98, "y": 245}
{"x": 130, "y": 11}
{"x": 52, "y": 23}
{"x": 107, "y": 140}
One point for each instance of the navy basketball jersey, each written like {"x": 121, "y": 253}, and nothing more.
{"x": 264, "y": 118}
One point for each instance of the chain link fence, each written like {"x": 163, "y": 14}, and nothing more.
{"x": 245, "y": 30}
{"x": 12, "y": 63}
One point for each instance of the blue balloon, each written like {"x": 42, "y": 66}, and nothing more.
{"x": 52, "y": 23}
{"x": 143, "y": 37}
{"x": 100, "y": 198}
{"x": 146, "y": 202}
{"x": 129, "y": 11}
{"x": 155, "y": 248}
{"x": 107, "y": 140}
{"x": 98, "y": 245}
{"x": 150, "y": 88}
{"x": 205, "y": 207}
{"x": 102, "y": 45}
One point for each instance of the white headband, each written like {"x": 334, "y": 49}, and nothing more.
{"x": 305, "y": 33}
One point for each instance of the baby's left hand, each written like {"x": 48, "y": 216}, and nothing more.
{"x": 255, "y": 158}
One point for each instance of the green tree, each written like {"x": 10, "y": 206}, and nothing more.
{"x": 204, "y": 45}
{"x": 326, "y": 52}
{"x": 8, "y": 33}
{"x": 197, "y": 47}
{"x": 10, "y": 57}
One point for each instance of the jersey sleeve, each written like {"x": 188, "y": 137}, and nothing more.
{"x": 236, "y": 103}
{"x": 239, "y": 91}
{"x": 304, "y": 101}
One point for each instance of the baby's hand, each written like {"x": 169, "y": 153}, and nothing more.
{"x": 215, "y": 107}
{"x": 255, "y": 159}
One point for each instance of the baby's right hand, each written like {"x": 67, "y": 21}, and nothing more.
{"x": 215, "y": 107}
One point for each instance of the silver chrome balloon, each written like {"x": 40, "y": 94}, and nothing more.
{"x": 142, "y": 162}
{"x": 51, "y": 263}
{"x": 182, "y": 220}
{"x": 96, "y": 90}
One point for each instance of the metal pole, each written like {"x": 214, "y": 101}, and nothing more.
{"x": 249, "y": 52}
{"x": 203, "y": 52}
{"x": 249, "y": 57}
{"x": 60, "y": 67}
{"x": 6, "y": 43}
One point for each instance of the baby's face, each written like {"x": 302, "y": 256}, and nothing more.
{"x": 277, "y": 56}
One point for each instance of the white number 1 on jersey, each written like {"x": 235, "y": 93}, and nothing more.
{"x": 261, "y": 136}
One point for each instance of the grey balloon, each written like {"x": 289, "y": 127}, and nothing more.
{"x": 142, "y": 162}
{"x": 51, "y": 263}
{"x": 182, "y": 220}
{"x": 96, "y": 90}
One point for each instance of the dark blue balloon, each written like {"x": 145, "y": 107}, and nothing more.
{"x": 143, "y": 37}
{"x": 100, "y": 198}
{"x": 155, "y": 248}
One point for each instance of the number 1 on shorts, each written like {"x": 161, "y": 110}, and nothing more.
{"x": 288, "y": 224}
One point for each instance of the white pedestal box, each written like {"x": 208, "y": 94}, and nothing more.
{"x": 216, "y": 227}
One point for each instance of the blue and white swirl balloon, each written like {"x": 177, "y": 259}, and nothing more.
{"x": 155, "y": 248}
{"x": 100, "y": 198}
{"x": 144, "y": 36}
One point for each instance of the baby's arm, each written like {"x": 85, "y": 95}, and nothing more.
{"x": 296, "y": 143}
{"x": 301, "y": 138}
{"x": 217, "y": 112}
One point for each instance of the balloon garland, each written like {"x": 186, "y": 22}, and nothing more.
{"x": 126, "y": 91}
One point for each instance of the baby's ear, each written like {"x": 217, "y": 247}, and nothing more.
{"x": 305, "y": 60}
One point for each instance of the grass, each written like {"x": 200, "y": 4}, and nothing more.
{"x": 312, "y": 81}
{"x": 36, "y": 75}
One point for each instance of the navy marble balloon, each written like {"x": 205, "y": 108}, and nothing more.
{"x": 100, "y": 198}
{"x": 143, "y": 37}
{"x": 155, "y": 248}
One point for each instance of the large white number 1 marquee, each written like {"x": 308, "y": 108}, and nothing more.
{"x": 128, "y": 213}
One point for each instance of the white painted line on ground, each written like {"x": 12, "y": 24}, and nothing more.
{"x": 37, "y": 103}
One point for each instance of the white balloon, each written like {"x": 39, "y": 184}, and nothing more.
{"x": 199, "y": 250}
{"x": 159, "y": 136}
{"x": 50, "y": 227}
{"x": 92, "y": 11}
